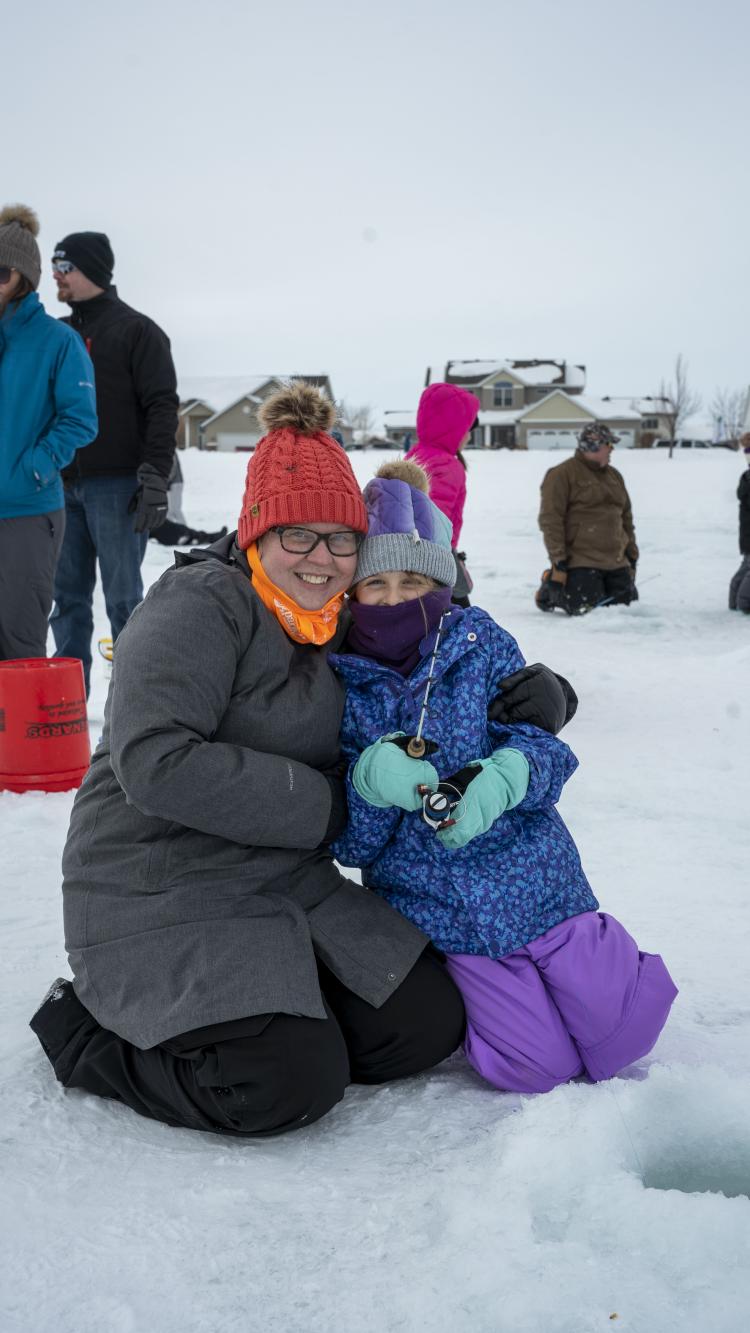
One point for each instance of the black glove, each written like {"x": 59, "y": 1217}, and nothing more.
{"x": 335, "y": 776}
{"x": 537, "y": 695}
{"x": 149, "y": 503}
{"x": 551, "y": 591}
{"x": 339, "y": 810}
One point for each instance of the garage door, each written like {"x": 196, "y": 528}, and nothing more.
{"x": 552, "y": 439}
{"x": 568, "y": 439}
{"x": 627, "y": 439}
{"x": 231, "y": 440}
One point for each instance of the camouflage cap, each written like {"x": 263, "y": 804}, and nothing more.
{"x": 593, "y": 436}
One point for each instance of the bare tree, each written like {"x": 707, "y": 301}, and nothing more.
{"x": 683, "y": 401}
{"x": 359, "y": 416}
{"x": 727, "y": 414}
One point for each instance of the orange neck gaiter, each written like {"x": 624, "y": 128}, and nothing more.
{"x": 315, "y": 627}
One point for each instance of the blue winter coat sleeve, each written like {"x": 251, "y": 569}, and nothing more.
{"x": 74, "y": 423}
{"x": 551, "y": 762}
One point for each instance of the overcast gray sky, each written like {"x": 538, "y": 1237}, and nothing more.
{"x": 369, "y": 188}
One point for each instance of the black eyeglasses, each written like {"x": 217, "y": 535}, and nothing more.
{"x": 301, "y": 541}
{"x": 5, "y": 274}
{"x": 63, "y": 266}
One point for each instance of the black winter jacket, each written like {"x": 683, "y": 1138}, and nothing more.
{"x": 136, "y": 389}
{"x": 743, "y": 495}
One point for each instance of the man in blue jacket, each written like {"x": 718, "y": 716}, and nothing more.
{"x": 47, "y": 411}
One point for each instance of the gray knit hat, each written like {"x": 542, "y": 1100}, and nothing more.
{"x": 406, "y": 531}
{"x": 19, "y": 227}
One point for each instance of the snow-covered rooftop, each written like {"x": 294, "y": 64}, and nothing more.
{"x": 545, "y": 372}
{"x": 401, "y": 420}
{"x": 243, "y": 398}
{"x": 606, "y": 409}
{"x": 219, "y": 391}
{"x": 647, "y": 406}
{"x": 603, "y": 409}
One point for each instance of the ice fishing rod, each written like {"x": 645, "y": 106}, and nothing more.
{"x": 438, "y": 805}
{"x": 416, "y": 746}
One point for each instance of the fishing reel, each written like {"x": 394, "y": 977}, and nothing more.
{"x": 441, "y": 807}
{"x": 439, "y": 804}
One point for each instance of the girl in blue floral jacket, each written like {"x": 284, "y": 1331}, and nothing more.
{"x": 552, "y": 987}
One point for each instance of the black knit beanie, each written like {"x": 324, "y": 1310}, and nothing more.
{"x": 91, "y": 252}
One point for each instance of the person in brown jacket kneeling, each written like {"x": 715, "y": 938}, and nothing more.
{"x": 587, "y": 523}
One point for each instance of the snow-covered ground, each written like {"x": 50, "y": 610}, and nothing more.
{"x": 437, "y": 1203}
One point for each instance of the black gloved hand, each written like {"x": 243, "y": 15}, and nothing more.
{"x": 535, "y": 694}
{"x": 335, "y": 776}
{"x": 551, "y": 591}
{"x": 339, "y": 809}
{"x": 149, "y": 503}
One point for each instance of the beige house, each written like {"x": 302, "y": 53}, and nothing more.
{"x": 656, "y": 416}
{"x": 556, "y": 421}
{"x": 235, "y": 427}
{"x": 534, "y": 405}
{"x": 505, "y": 389}
{"x": 190, "y": 417}
{"x": 503, "y": 385}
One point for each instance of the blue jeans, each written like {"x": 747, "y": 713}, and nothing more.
{"x": 97, "y": 527}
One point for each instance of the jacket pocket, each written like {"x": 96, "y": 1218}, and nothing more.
{"x": 43, "y": 470}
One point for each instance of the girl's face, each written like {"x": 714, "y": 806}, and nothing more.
{"x": 392, "y": 588}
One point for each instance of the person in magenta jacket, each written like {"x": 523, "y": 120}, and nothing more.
{"x": 445, "y": 417}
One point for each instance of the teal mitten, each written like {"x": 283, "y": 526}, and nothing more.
{"x": 500, "y": 783}
{"x": 384, "y": 776}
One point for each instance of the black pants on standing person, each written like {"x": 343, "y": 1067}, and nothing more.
{"x": 589, "y": 588}
{"x": 29, "y": 548}
{"x": 261, "y": 1075}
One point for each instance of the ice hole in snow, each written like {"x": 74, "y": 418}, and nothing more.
{"x": 687, "y": 1130}
{"x": 701, "y": 1166}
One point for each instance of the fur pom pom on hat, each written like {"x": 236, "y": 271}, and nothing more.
{"x": 405, "y": 469}
{"x": 298, "y": 473}
{"x": 299, "y": 407}
{"x": 19, "y": 228}
{"x": 406, "y": 530}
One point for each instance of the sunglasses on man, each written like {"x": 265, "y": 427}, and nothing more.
{"x": 63, "y": 266}
{"x": 5, "y": 275}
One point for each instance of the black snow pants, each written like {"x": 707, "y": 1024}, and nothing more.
{"x": 261, "y": 1075}
{"x": 171, "y": 533}
{"x": 739, "y": 588}
{"x": 587, "y": 588}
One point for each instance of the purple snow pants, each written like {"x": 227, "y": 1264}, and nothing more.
{"x": 580, "y": 999}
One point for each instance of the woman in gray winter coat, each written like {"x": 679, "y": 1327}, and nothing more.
{"x": 227, "y": 977}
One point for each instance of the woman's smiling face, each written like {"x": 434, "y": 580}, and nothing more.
{"x": 310, "y": 580}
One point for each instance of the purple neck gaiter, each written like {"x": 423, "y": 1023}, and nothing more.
{"x": 391, "y": 635}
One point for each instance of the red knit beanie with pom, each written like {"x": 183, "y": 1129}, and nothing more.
{"x": 298, "y": 474}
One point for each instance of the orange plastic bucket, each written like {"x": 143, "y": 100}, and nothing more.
{"x": 44, "y": 728}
